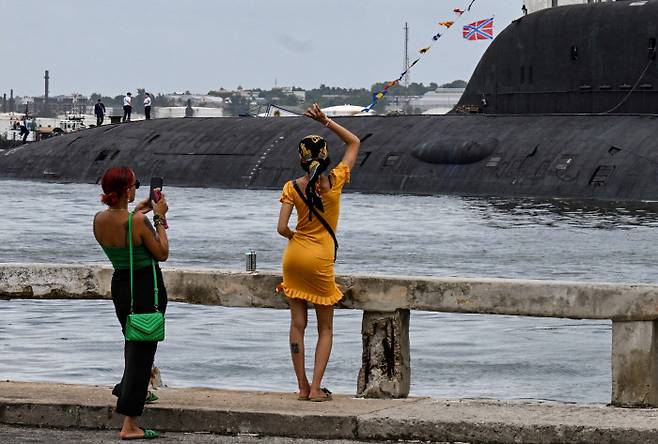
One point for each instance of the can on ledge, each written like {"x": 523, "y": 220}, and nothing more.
{"x": 250, "y": 257}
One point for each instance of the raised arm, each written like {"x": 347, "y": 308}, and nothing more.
{"x": 352, "y": 143}
{"x": 154, "y": 239}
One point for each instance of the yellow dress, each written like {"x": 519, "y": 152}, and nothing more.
{"x": 308, "y": 262}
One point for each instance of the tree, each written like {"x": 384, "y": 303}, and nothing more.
{"x": 239, "y": 105}
{"x": 161, "y": 100}
{"x": 455, "y": 84}
{"x": 138, "y": 100}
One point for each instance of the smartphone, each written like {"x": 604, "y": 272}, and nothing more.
{"x": 156, "y": 182}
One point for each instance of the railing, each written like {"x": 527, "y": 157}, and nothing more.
{"x": 386, "y": 302}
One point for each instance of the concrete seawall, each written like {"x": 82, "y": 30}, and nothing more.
{"x": 386, "y": 302}
{"x": 577, "y": 300}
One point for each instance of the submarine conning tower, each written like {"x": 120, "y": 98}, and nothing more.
{"x": 588, "y": 58}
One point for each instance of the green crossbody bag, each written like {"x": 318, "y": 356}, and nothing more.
{"x": 143, "y": 326}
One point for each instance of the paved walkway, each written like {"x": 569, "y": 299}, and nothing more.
{"x": 28, "y": 435}
{"x": 280, "y": 414}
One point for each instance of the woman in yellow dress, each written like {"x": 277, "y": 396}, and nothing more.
{"x": 308, "y": 262}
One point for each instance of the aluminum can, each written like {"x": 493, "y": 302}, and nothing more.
{"x": 250, "y": 260}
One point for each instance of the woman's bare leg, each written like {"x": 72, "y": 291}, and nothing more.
{"x": 325, "y": 315}
{"x": 298, "y": 321}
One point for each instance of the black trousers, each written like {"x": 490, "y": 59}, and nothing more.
{"x": 99, "y": 119}
{"x": 127, "y": 110}
{"x": 138, "y": 356}
{"x": 147, "y": 112}
{"x": 24, "y": 132}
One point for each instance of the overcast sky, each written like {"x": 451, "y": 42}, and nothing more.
{"x": 198, "y": 45}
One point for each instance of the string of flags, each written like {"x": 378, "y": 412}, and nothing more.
{"x": 479, "y": 30}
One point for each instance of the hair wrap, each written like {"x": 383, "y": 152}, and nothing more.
{"x": 314, "y": 158}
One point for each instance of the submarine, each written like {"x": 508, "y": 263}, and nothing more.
{"x": 563, "y": 104}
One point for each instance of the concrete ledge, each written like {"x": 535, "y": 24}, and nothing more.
{"x": 618, "y": 302}
{"x": 196, "y": 409}
{"x": 280, "y": 414}
{"x": 512, "y": 422}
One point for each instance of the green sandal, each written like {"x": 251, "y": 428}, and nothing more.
{"x": 148, "y": 434}
{"x": 151, "y": 398}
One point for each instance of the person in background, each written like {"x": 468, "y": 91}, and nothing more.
{"x": 23, "y": 126}
{"x": 99, "y": 110}
{"x": 308, "y": 261}
{"x": 127, "y": 107}
{"x": 111, "y": 232}
{"x": 147, "y": 106}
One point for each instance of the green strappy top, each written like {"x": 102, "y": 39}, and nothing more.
{"x": 120, "y": 256}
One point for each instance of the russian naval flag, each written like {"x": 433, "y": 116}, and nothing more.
{"x": 480, "y": 30}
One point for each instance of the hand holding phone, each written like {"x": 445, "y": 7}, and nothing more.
{"x": 156, "y": 195}
{"x": 156, "y": 188}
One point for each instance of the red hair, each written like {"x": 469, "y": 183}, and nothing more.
{"x": 115, "y": 181}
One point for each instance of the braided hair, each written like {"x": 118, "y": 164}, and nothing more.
{"x": 314, "y": 159}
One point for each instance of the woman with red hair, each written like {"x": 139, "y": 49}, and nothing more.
{"x": 111, "y": 228}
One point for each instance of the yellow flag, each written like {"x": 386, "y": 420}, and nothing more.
{"x": 447, "y": 24}
{"x": 425, "y": 49}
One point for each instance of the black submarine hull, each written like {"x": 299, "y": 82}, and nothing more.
{"x": 606, "y": 157}
{"x": 564, "y": 103}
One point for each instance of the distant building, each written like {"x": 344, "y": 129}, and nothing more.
{"x": 439, "y": 101}
{"x": 58, "y": 105}
{"x": 169, "y": 112}
{"x": 290, "y": 91}
{"x": 203, "y": 100}
{"x": 536, "y": 5}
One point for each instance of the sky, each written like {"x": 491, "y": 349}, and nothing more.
{"x": 199, "y": 45}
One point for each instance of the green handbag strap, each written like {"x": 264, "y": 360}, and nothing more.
{"x": 155, "y": 277}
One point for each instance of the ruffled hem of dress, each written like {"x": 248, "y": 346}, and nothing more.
{"x": 314, "y": 299}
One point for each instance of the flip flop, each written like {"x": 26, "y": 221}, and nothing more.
{"x": 302, "y": 398}
{"x": 151, "y": 398}
{"x": 148, "y": 434}
{"x": 327, "y": 396}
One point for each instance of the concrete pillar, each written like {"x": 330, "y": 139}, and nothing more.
{"x": 386, "y": 364}
{"x": 634, "y": 366}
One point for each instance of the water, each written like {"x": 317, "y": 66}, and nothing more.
{"x": 453, "y": 355}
